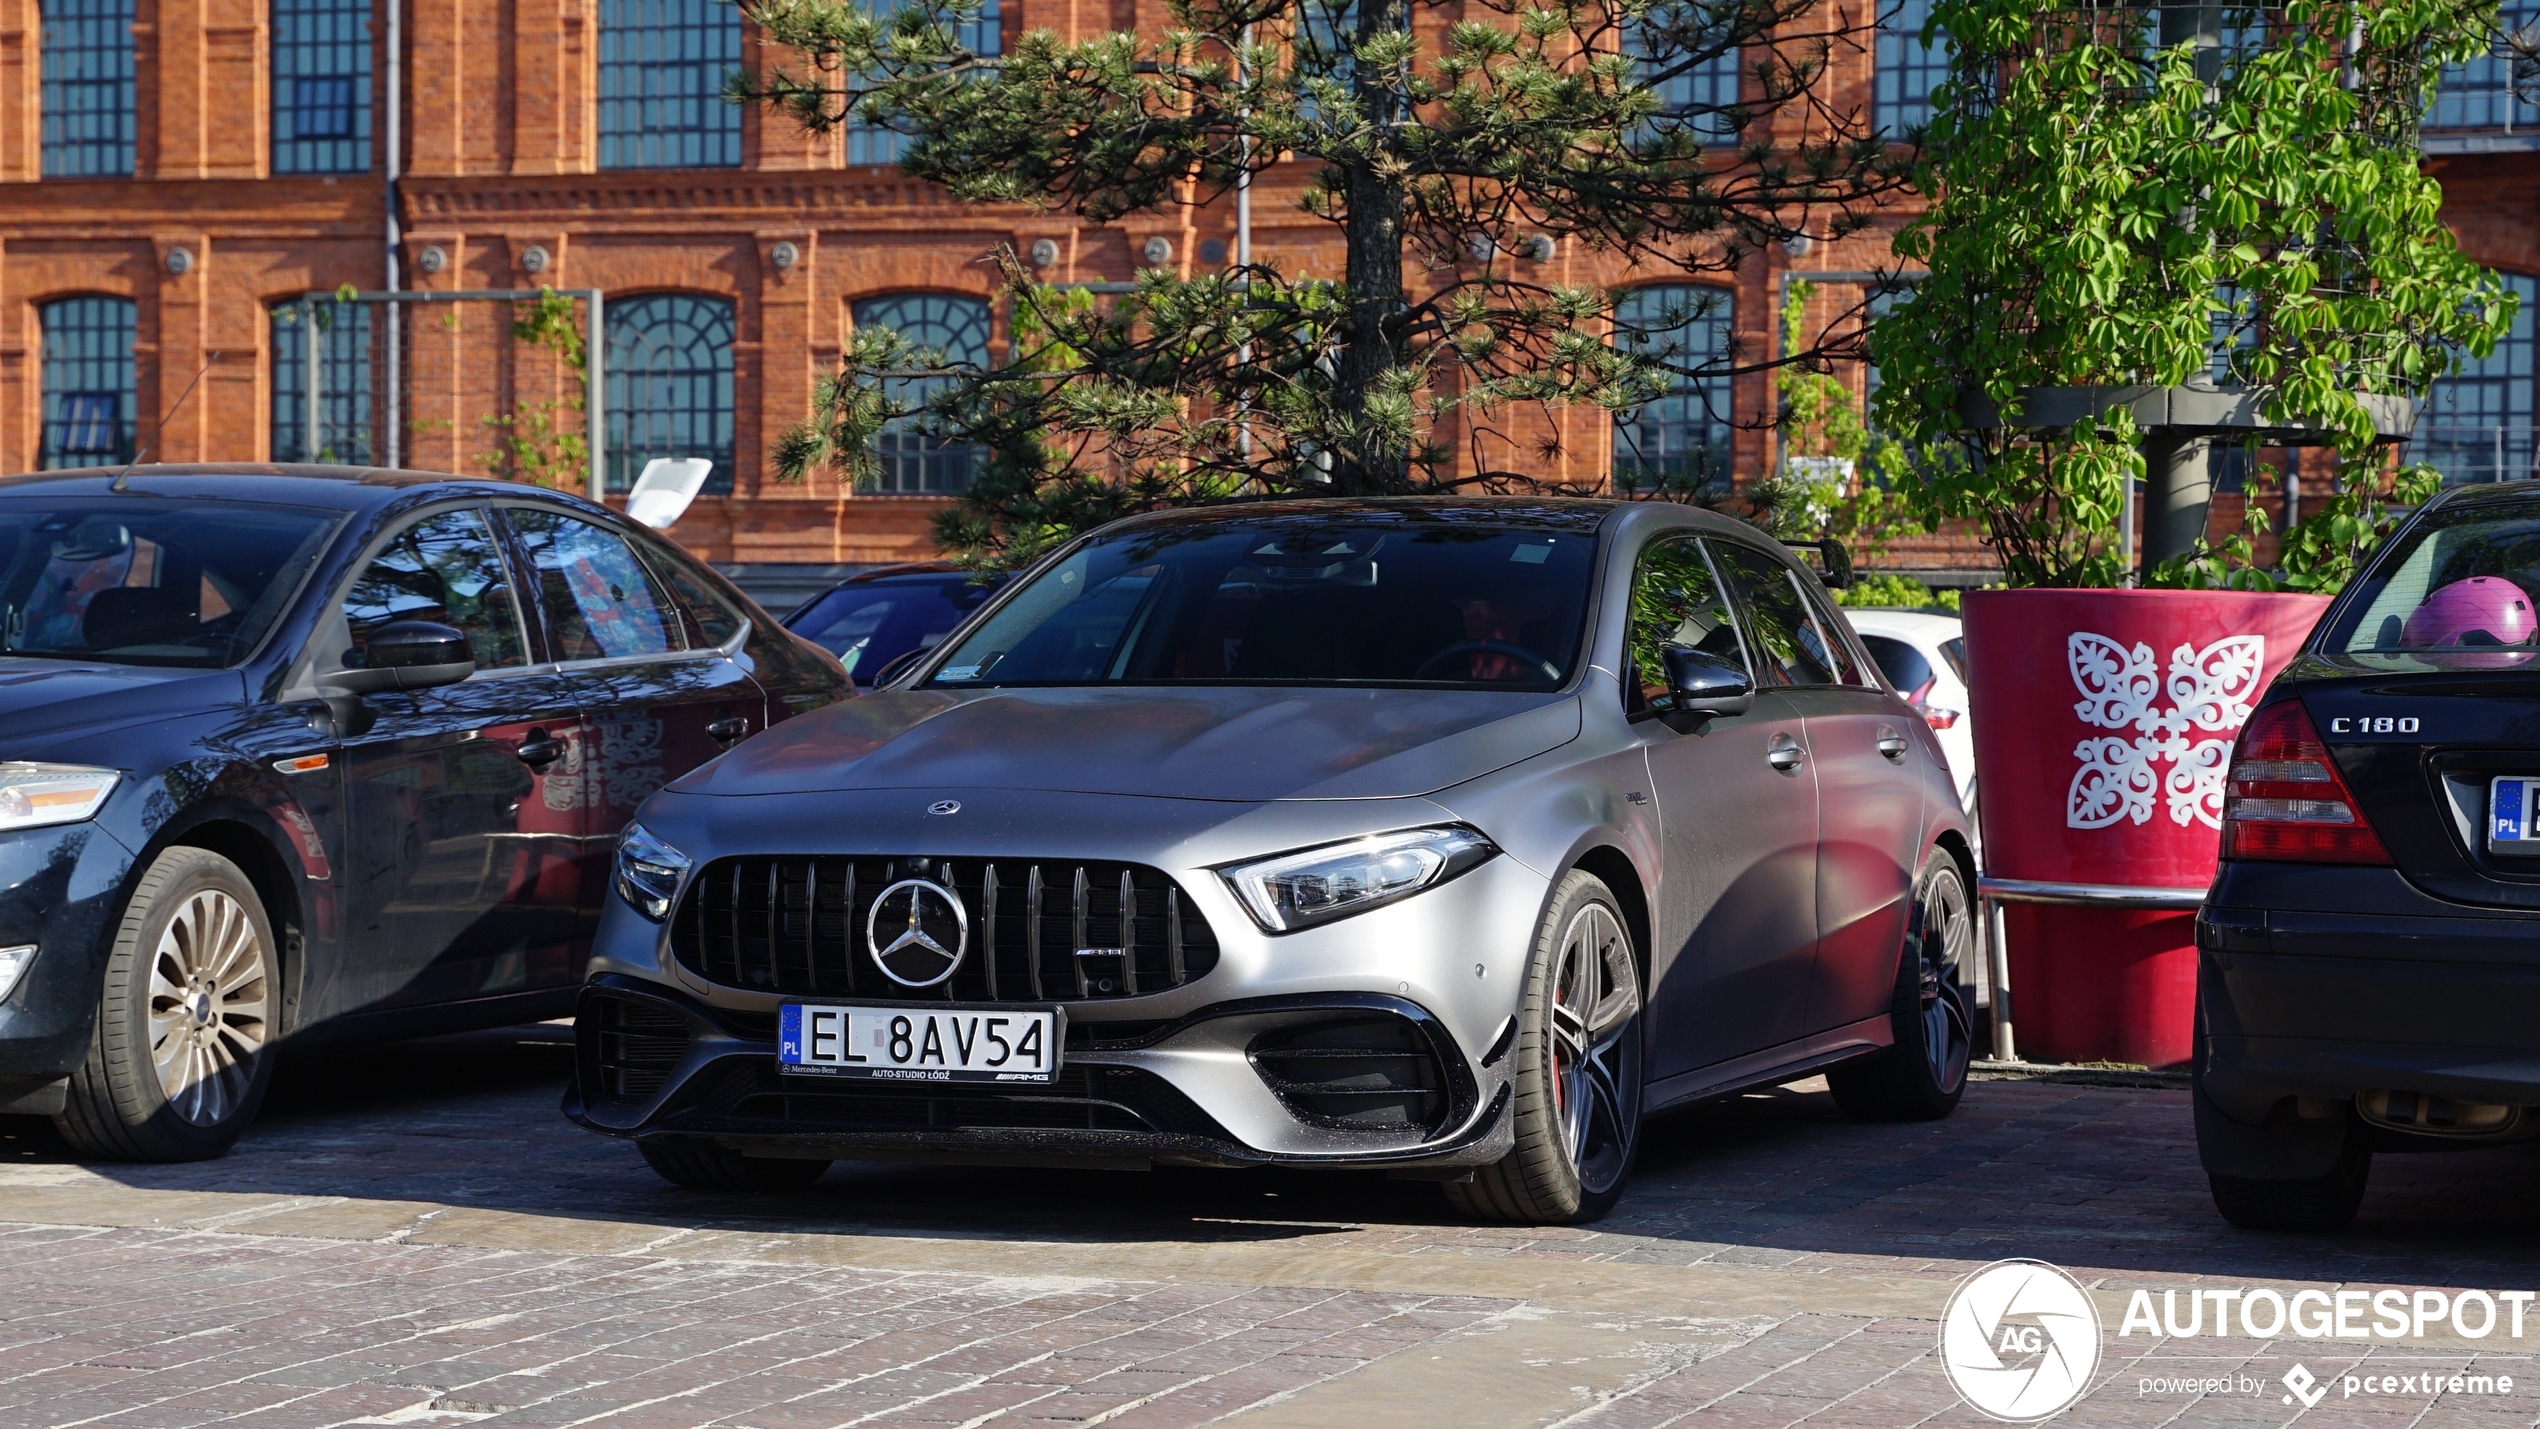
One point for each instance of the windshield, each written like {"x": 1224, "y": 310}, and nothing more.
{"x": 869, "y": 624}
{"x": 1295, "y": 601}
{"x": 137, "y": 581}
{"x": 2456, "y": 592}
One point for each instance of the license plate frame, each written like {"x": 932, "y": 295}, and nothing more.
{"x": 938, "y": 1052}
{"x": 2513, "y": 815}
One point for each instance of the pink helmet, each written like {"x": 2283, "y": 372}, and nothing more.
{"x": 2481, "y": 611}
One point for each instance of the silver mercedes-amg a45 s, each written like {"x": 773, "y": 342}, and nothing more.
{"x": 1451, "y": 837}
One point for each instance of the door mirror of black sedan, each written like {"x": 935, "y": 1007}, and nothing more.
{"x": 1707, "y": 684}
{"x": 407, "y": 655}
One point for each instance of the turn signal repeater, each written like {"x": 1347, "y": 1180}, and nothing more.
{"x": 2286, "y": 801}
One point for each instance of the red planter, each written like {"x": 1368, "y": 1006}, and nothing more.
{"x": 2104, "y": 721}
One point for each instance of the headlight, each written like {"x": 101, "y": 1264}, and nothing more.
{"x": 33, "y": 795}
{"x": 648, "y": 871}
{"x": 1316, "y": 885}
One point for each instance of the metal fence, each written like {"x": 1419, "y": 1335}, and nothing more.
{"x": 2467, "y": 454}
{"x": 498, "y": 382}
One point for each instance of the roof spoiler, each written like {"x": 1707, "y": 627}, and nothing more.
{"x": 1838, "y": 561}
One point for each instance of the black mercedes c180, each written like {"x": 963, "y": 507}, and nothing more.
{"x": 294, "y": 750}
{"x": 2369, "y": 967}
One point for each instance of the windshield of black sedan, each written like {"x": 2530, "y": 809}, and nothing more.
{"x": 1306, "y": 601}
{"x": 139, "y": 581}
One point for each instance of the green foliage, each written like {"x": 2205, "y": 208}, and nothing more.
{"x": 1440, "y": 138}
{"x": 531, "y": 445}
{"x": 1837, "y": 477}
{"x": 1879, "y": 590}
{"x": 2099, "y": 207}
{"x": 2319, "y": 554}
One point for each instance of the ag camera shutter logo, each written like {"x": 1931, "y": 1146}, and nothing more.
{"x": 2019, "y": 1340}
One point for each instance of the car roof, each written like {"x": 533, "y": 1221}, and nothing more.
{"x": 1923, "y": 624}
{"x": 340, "y": 488}
{"x": 1566, "y": 514}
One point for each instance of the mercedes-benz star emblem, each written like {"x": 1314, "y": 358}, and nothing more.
{"x": 944, "y": 806}
{"x": 924, "y": 918}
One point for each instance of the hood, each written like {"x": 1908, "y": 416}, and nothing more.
{"x": 1189, "y": 742}
{"x": 43, "y": 702}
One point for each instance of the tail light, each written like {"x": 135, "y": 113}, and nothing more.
{"x": 2286, "y": 801}
{"x": 1937, "y": 717}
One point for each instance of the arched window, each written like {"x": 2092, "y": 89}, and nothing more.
{"x": 2477, "y": 425}
{"x": 321, "y": 86}
{"x": 1681, "y": 438}
{"x": 669, "y": 379}
{"x": 344, "y": 373}
{"x": 87, "y": 89}
{"x": 662, "y": 67}
{"x": 89, "y": 406}
{"x": 956, "y": 328}
{"x": 1692, "y": 93}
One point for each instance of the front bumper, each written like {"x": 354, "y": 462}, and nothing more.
{"x": 1198, "y": 1090}
{"x": 60, "y": 889}
{"x": 2326, "y": 983}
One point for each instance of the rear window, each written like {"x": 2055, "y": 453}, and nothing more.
{"x": 1903, "y": 665}
{"x": 2455, "y": 591}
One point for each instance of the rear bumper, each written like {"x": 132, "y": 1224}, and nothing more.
{"x": 1181, "y": 1094}
{"x": 2327, "y": 982}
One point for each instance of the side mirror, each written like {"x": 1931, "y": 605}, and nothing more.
{"x": 1707, "y": 684}
{"x": 407, "y": 655}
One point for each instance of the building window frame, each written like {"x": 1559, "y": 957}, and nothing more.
{"x": 91, "y": 402}
{"x": 2478, "y": 423}
{"x": 960, "y": 327}
{"x": 669, "y": 384}
{"x": 87, "y": 92}
{"x": 1905, "y": 69}
{"x": 1687, "y": 435}
{"x": 661, "y": 72}
{"x": 982, "y": 34}
{"x": 347, "y": 433}
{"x": 321, "y": 86}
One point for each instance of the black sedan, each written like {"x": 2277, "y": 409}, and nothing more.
{"x": 880, "y": 621}
{"x": 2369, "y": 969}
{"x": 298, "y": 750}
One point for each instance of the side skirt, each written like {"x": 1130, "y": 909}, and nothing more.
{"x": 1773, "y": 1065}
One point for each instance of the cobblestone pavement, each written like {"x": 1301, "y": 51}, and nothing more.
{"x": 413, "y": 1236}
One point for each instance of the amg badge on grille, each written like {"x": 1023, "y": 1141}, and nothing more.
{"x": 928, "y": 949}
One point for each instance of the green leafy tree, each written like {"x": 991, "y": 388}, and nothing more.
{"x": 2109, "y": 211}
{"x": 1450, "y": 144}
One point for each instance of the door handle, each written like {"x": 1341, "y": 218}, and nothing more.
{"x": 540, "y": 749}
{"x": 729, "y": 729}
{"x": 1785, "y": 755}
{"x": 1891, "y": 744}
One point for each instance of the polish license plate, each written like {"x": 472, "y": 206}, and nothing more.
{"x": 2513, "y": 816}
{"x": 919, "y": 1044}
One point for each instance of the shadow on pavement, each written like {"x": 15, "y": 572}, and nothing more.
{"x": 2095, "y": 1177}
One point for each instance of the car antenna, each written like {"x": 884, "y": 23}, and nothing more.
{"x": 116, "y": 486}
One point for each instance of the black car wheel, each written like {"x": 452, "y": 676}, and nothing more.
{"x": 1577, "y": 1070}
{"x": 183, "y": 1048}
{"x": 704, "y": 1166}
{"x": 1921, "y": 1077}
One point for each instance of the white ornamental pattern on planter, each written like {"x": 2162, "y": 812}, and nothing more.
{"x": 2210, "y": 691}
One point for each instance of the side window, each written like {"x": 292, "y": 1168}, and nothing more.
{"x": 601, "y": 601}
{"x": 445, "y": 568}
{"x": 1789, "y": 649}
{"x": 712, "y": 614}
{"x": 1676, "y": 600}
{"x": 1834, "y": 651}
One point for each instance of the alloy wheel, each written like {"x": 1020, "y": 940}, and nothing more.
{"x": 1948, "y": 935}
{"x": 208, "y": 1007}
{"x": 1596, "y": 1047}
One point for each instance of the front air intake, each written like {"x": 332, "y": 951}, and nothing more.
{"x": 628, "y": 1047}
{"x": 1371, "y": 1072}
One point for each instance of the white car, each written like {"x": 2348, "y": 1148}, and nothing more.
{"x": 1924, "y": 655}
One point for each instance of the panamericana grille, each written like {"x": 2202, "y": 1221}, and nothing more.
{"x": 629, "y": 1048}
{"x": 1040, "y": 930}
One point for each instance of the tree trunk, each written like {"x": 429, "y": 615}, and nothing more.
{"x": 1374, "y": 275}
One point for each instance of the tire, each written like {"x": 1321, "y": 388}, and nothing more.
{"x": 186, "y": 1020}
{"x": 704, "y": 1166}
{"x": 1924, "y": 1073}
{"x": 1577, "y": 1078}
{"x": 2310, "y": 1203}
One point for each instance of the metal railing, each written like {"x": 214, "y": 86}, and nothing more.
{"x": 2468, "y": 453}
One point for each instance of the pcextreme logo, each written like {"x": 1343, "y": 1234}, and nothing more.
{"x": 2019, "y": 1340}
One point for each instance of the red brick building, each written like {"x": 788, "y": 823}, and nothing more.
{"x": 176, "y": 175}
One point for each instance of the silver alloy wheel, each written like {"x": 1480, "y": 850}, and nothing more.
{"x": 1948, "y": 936}
{"x": 1596, "y": 1047}
{"x": 208, "y": 1000}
